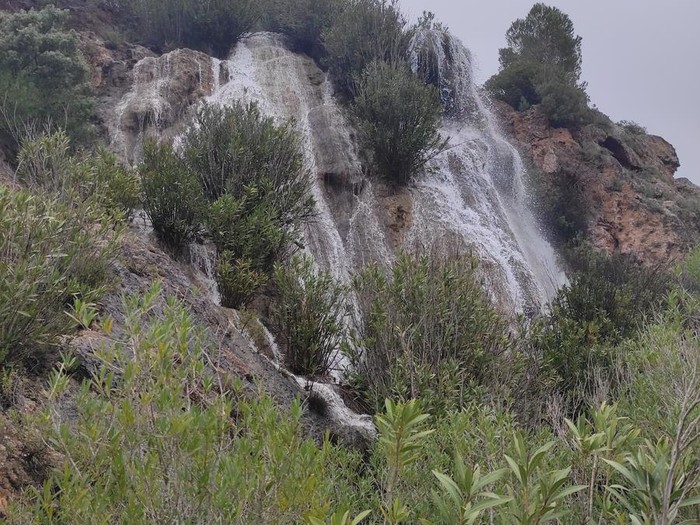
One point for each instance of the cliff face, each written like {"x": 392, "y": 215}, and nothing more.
{"x": 625, "y": 178}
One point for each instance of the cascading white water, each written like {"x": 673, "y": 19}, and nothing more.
{"x": 473, "y": 196}
{"x": 475, "y": 189}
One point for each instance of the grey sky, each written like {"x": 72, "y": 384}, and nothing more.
{"x": 640, "y": 57}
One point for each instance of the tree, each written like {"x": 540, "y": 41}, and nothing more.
{"x": 546, "y": 36}
{"x": 399, "y": 117}
{"x": 542, "y": 64}
{"x": 43, "y": 74}
{"x": 364, "y": 31}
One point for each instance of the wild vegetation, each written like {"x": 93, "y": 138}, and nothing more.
{"x": 154, "y": 437}
{"x": 241, "y": 179}
{"x": 55, "y": 243}
{"x": 428, "y": 331}
{"x": 542, "y": 65}
{"x": 589, "y": 413}
{"x": 401, "y": 137}
{"x": 43, "y": 75}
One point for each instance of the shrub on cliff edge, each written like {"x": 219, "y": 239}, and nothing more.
{"x": 398, "y": 120}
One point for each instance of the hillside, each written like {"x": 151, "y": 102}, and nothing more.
{"x": 242, "y": 280}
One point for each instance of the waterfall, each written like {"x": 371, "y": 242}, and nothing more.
{"x": 474, "y": 192}
{"x": 472, "y": 197}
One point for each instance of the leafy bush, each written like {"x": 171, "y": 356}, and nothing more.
{"x": 46, "y": 164}
{"x": 173, "y": 198}
{"x": 43, "y": 74}
{"x": 214, "y": 25}
{"x": 117, "y": 188}
{"x": 364, "y": 31}
{"x": 50, "y": 254}
{"x": 516, "y": 85}
{"x": 251, "y": 170}
{"x": 304, "y": 21}
{"x": 309, "y": 316}
{"x": 247, "y": 228}
{"x": 140, "y": 445}
{"x": 427, "y": 330}
{"x": 403, "y": 137}
{"x": 238, "y": 279}
{"x": 605, "y": 303}
{"x": 565, "y": 105}
{"x": 233, "y": 148}
{"x": 149, "y": 450}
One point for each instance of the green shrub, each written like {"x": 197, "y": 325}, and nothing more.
{"x": 402, "y": 137}
{"x": 309, "y": 316}
{"x": 172, "y": 197}
{"x": 364, "y": 31}
{"x": 248, "y": 228}
{"x": 50, "y": 254}
{"x": 565, "y": 105}
{"x": 46, "y": 164}
{"x": 43, "y": 74}
{"x": 516, "y": 85}
{"x": 304, "y": 21}
{"x": 165, "y": 439}
{"x": 170, "y": 437}
{"x": 427, "y": 330}
{"x": 605, "y": 303}
{"x": 251, "y": 170}
{"x": 238, "y": 280}
{"x": 214, "y": 25}
{"x": 119, "y": 188}
{"x": 232, "y": 148}
{"x": 249, "y": 236}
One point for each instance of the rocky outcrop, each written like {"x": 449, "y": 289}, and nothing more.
{"x": 161, "y": 90}
{"x": 626, "y": 179}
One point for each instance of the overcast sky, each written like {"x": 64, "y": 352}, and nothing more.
{"x": 641, "y": 58}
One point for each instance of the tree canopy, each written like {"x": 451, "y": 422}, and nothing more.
{"x": 542, "y": 64}
{"x": 545, "y": 37}
{"x": 43, "y": 74}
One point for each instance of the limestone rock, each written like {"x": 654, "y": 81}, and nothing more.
{"x": 636, "y": 206}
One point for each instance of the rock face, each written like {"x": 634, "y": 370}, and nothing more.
{"x": 626, "y": 178}
{"x": 162, "y": 90}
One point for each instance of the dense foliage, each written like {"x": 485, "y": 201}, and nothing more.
{"x": 160, "y": 440}
{"x": 542, "y": 64}
{"x": 46, "y": 164}
{"x": 363, "y": 32}
{"x": 304, "y": 21}
{"x": 427, "y": 331}
{"x": 173, "y": 198}
{"x": 402, "y": 136}
{"x": 588, "y": 413}
{"x": 51, "y": 255}
{"x": 213, "y": 25}
{"x": 43, "y": 74}
{"x": 241, "y": 178}
{"x": 605, "y": 303}
{"x": 310, "y": 316}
